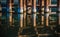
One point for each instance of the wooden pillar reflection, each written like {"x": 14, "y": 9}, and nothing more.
{"x": 21, "y": 18}
{"x": 42, "y": 2}
{"x": 24, "y": 13}
{"x": 59, "y": 12}
{"x": 42, "y": 20}
{"x": 21, "y": 15}
{"x": 10, "y": 18}
{"x": 42, "y": 17}
{"x": 34, "y": 13}
{"x": 47, "y": 12}
{"x": 0, "y": 11}
{"x": 0, "y": 14}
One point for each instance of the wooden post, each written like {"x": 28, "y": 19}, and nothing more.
{"x": 42, "y": 2}
{"x": 47, "y": 12}
{"x": 42, "y": 20}
{"x": 21, "y": 18}
{"x": 34, "y": 13}
{"x": 42, "y": 17}
{"x": 24, "y": 13}
{"x": 10, "y": 18}
{"x": 21, "y": 15}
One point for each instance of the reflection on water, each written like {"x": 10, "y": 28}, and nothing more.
{"x": 29, "y": 31}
